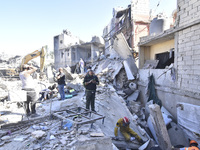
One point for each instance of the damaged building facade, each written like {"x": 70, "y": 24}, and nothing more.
{"x": 132, "y": 21}
{"x": 172, "y": 56}
{"x": 68, "y": 49}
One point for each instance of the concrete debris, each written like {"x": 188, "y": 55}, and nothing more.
{"x": 128, "y": 71}
{"x": 134, "y": 96}
{"x": 5, "y": 138}
{"x": 188, "y": 115}
{"x": 177, "y": 136}
{"x": 123, "y": 49}
{"x": 96, "y": 134}
{"x": 132, "y": 86}
{"x": 38, "y": 134}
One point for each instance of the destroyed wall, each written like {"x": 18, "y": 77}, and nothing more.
{"x": 140, "y": 21}
{"x": 183, "y": 86}
{"x": 132, "y": 21}
{"x": 69, "y": 49}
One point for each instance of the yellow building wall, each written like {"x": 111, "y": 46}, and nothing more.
{"x": 160, "y": 48}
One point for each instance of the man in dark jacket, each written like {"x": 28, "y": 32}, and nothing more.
{"x": 90, "y": 82}
{"x": 61, "y": 83}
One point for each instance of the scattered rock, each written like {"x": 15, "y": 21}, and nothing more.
{"x": 38, "y": 134}
{"x": 96, "y": 134}
{"x": 5, "y": 138}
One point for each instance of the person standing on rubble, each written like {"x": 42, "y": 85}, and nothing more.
{"x": 28, "y": 86}
{"x": 90, "y": 81}
{"x": 61, "y": 83}
{"x": 123, "y": 125}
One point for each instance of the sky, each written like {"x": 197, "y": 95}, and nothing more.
{"x": 27, "y": 25}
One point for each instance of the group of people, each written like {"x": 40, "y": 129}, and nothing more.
{"x": 29, "y": 86}
{"x": 90, "y": 83}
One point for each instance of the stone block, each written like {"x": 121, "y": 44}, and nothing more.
{"x": 38, "y": 134}
{"x": 192, "y": 2}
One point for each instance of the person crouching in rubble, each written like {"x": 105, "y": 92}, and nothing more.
{"x": 123, "y": 124}
{"x": 90, "y": 81}
{"x": 61, "y": 83}
{"x": 28, "y": 85}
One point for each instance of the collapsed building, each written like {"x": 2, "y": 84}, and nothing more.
{"x": 68, "y": 49}
{"x": 167, "y": 67}
{"x": 132, "y": 21}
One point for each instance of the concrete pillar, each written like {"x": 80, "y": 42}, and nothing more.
{"x": 160, "y": 127}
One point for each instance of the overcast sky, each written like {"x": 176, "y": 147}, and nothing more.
{"x": 27, "y": 25}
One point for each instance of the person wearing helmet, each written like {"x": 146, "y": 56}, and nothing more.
{"x": 123, "y": 125}
{"x": 193, "y": 146}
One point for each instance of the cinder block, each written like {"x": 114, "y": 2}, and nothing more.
{"x": 187, "y": 58}
{"x": 196, "y": 57}
{"x": 194, "y": 38}
{"x": 180, "y": 59}
{"x": 196, "y": 4}
{"x": 194, "y": 10}
{"x": 197, "y": 42}
{"x": 191, "y": 43}
{"x": 196, "y": 52}
{"x": 185, "y": 5}
{"x": 196, "y": 47}
{"x": 196, "y": 62}
{"x": 188, "y": 8}
{"x": 188, "y": 62}
{"x": 190, "y": 34}
{"x": 185, "y": 76}
{"x": 192, "y": 2}
{"x": 196, "y": 67}
{"x": 188, "y": 48}
{"x": 196, "y": 72}
{"x": 189, "y": 53}
{"x": 196, "y": 27}
{"x": 186, "y": 30}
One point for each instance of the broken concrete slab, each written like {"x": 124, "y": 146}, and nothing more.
{"x": 68, "y": 76}
{"x": 38, "y": 134}
{"x": 5, "y": 138}
{"x": 160, "y": 127}
{"x": 128, "y": 71}
{"x": 188, "y": 115}
{"x": 177, "y": 136}
{"x": 150, "y": 64}
{"x": 100, "y": 143}
{"x": 122, "y": 48}
{"x": 96, "y": 134}
{"x": 134, "y": 96}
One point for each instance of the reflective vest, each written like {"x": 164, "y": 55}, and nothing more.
{"x": 192, "y": 148}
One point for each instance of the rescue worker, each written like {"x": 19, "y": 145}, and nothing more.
{"x": 193, "y": 146}
{"x": 123, "y": 124}
{"x": 90, "y": 82}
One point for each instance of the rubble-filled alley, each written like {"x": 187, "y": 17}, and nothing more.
{"x": 141, "y": 80}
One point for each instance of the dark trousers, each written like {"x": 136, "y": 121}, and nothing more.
{"x": 90, "y": 97}
{"x": 31, "y": 101}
